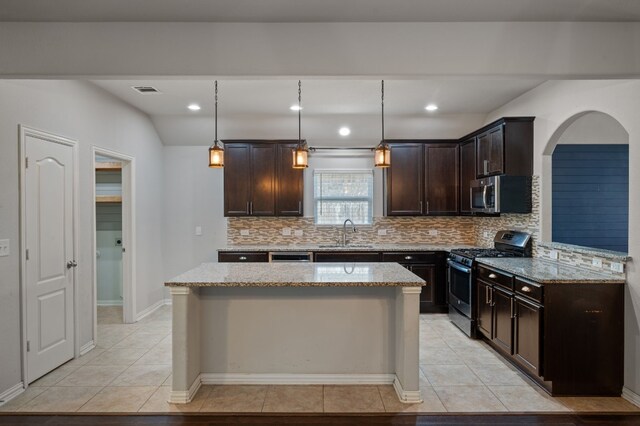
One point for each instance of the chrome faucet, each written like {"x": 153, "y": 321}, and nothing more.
{"x": 344, "y": 230}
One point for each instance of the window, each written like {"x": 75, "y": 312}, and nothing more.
{"x": 343, "y": 194}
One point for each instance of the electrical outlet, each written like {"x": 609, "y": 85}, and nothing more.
{"x": 198, "y": 231}
{"x": 244, "y": 232}
{"x": 553, "y": 254}
{"x": 617, "y": 267}
{"x": 382, "y": 232}
{"x": 433, "y": 232}
{"x": 298, "y": 232}
{"x": 596, "y": 262}
{"x": 286, "y": 231}
{"x": 486, "y": 234}
{"x": 4, "y": 248}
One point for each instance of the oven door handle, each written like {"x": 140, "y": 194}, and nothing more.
{"x": 454, "y": 265}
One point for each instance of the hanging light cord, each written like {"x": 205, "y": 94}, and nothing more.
{"x": 216, "y": 112}
{"x": 382, "y": 101}
{"x": 299, "y": 110}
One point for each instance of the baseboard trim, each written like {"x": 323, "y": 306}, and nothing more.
{"x": 184, "y": 397}
{"x": 631, "y": 396}
{"x": 296, "y": 379}
{"x": 109, "y": 302}
{"x": 151, "y": 309}
{"x": 11, "y": 393}
{"x": 87, "y": 347}
{"x": 408, "y": 397}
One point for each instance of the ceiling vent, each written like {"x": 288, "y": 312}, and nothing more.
{"x": 146, "y": 90}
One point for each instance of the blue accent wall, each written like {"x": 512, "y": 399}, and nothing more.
{"x": 591, "y": 196}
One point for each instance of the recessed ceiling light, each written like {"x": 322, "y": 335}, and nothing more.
{"x": 295, "y": 108}
{"x": 431, "y": 107}
{"x": 194, "y": 107}
{"x": 344, "y": 131}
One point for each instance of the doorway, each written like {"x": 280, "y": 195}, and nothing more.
{"x": 114, "y": 264}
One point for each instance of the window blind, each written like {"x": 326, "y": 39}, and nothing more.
{"x": 343, "y": 194}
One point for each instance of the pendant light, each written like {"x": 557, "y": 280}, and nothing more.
{"x": 216, "y": 152}
{"x": 301, "y": 151}
{"x": 382, "y": 156}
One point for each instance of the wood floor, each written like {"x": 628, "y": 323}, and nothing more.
{"x": 319, "y": 420}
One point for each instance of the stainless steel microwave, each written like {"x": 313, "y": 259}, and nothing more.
{"x": 501, "y": 194}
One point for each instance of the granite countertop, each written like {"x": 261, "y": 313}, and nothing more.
{"x": 589, "y": 251}
{"x": 549, "y": 272}
{"x": 297, "y": 275}
{"x": 349, "y": 247}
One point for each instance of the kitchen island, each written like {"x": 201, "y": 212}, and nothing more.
{"x": 295, "y": 323}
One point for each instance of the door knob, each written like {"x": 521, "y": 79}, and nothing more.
{"x": 71, "y": 264}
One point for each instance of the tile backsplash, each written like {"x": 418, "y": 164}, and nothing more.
{"x": 420, "y": 230}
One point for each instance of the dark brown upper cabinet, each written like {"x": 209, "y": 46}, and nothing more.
{"x": 422, "y": 179}
{"x": 441, "y": 179}
{"x": 404, "y": 180}
{"x": 290, "y": 183}
{"x": 259, "y": 180}
{"x": 504, "y": 147}
{"x": 467, "y": 173}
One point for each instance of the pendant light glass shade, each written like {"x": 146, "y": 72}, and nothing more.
{"x": 301, "y": 156}
{"x": 216, "y": 152}
{"x": 216, "y": 156}
{"x": 382, "y": 156}
{"x": 301, "y": 151}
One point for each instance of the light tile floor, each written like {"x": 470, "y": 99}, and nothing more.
{"x": 130, "y": 371}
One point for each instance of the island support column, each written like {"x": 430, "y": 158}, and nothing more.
{"x": 185, "y": 344}
{"x": 407, "y": 381}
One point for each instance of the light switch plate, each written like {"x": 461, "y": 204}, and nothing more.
{"x": 4, "y": 248}
{"x": 382, "y": 232}
{"x": 298, "y": 232}
{"x": 433, "y": 232}
{"x": 244, "y": 232}
{"x": 553, "y": 254}
{"x": 486, "y": 234}
{"x": 198, "y": 230}
{"x": 617, "y": 267}
{"x": 286, "y": 231}
{"x": 596, "y": 262}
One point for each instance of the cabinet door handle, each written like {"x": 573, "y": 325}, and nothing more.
{"x": 486, "y": 295}
{"x": 486, "y": 167}
{"x": 248, "y": 207}
{"x": 408, "y": 257}
{"x": 251, "y": 207}
{"x": 513, "y": 313}
{"x": 427, "y": 207}
{"x": 526, "y": 289}
{"x": 243, "y": 258}
{"x": 299, "y": 207}
{"x": 421, "y": 209}
{"x": 493, "y": 276}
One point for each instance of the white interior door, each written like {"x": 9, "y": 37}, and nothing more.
{"x": 49, "y": 193}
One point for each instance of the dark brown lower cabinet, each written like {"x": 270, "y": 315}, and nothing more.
{"x": 502, "y": 319}
{"x": 346, "y": 257}
{"x": 484, "y": 309}
{"x": 527, "y": 330}
{"x": 567, "y": 337}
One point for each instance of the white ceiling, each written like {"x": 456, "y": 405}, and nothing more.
{"x": 259, "y": 109}
{"x": 320, "y": 97}
{"x": 318, "y": 10}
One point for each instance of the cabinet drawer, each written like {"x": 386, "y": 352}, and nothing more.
{"x": 347, "y": 257}
{"x": 495, "y": 277}
{"x": 409, "y": 257}
{"x": 529, "y": 289}
{"x": 236, "y": 257}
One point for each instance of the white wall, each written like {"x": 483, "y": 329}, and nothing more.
{"x": 555, "y": 102}
{"x": 79, "y": 111}
{"x": 594, "y": 128}
{"x": 576, "y": 49}
{"x": 193, "y": 197}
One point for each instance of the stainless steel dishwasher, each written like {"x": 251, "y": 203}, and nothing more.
{"x": 290, "y": 256}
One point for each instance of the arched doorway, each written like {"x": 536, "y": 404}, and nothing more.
{"x": 590, "y": 182}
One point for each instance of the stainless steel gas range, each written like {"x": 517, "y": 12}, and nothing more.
{"x": 461, "y": 275}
